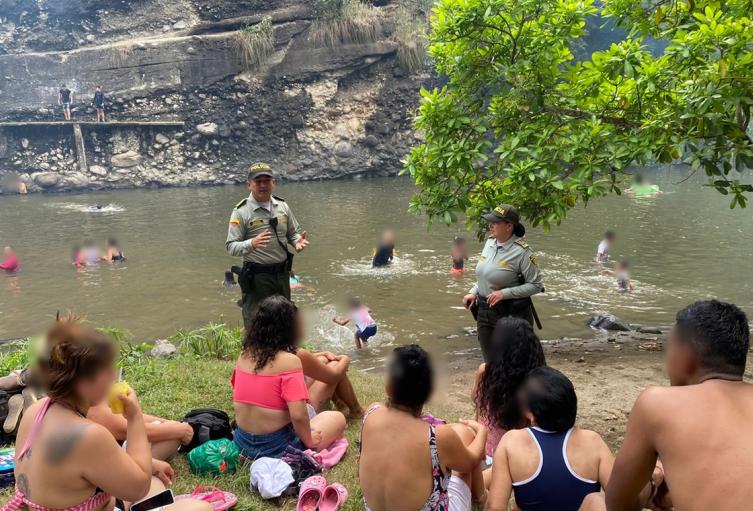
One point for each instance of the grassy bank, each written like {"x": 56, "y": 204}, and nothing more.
{"x": 169, "y": 388}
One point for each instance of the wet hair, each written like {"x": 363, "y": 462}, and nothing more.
{"x": 550, "y": 396}
{"x": 459, "y": 240}
{"x": 229, "y": 277}
{"x": 354, "y": 301}
{"x": 273, "y": 329}
{"x": 624, "y": 263}
{"x": 74, "y": 352}
{"x": 515, "y": 351}
{"x": 610, "y": 235}
{"x": 112, "y": 242}
{"x": 718, "y": 332}
{"x": 410, "y": 375}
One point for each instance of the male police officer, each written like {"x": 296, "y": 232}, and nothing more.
{"x": 261, "y": 227}
{"x": 506, "y": 276}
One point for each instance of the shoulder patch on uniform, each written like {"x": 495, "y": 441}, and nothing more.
{"x": 235, "y": 221}
{"x": 522, "y": 243}
{"x": 533, "y": 260}
{"x": 241, "y": 203}
{"x": 279, "y": 198}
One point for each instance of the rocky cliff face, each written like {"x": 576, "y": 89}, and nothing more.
{"x": 313, "y": 109}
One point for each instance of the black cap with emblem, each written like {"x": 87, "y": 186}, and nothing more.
{"x": 503, "y": 213}
{"x": 260, "y": 170}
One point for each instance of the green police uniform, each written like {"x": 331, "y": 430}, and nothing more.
{"x": 498, "y": 269}
{"x": 270, "y": 271}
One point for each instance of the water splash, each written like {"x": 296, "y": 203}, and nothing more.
{"x": 87, "y": 208}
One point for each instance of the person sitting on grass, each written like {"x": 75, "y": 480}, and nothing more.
{"x": 270, "y": 395}
{"x": 366, "y": 327}
{"x": 407, "y": 464}
{"x": 551, "y": 464}
{"x": 165, "y": 436}
{"x": 327, "y": 380}
{"x": 697, "y": 427}
{"x": 514, "y": 351}
{"x": 63, "y": 460}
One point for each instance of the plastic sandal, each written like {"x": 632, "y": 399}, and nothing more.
{"x": 311, "y": 493}
{"x": 334, "y": 497}
{"x": 220, "y": 500}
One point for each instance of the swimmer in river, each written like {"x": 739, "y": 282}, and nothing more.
{"x": 90, "y": 254}
{"x": 114, "y": 254}
{"x": 385, "y": 253}
{"x": 77, "y": 257}
{"x": 229, "y": 280}
{"x": 602, "y": 251}
{"x": 622, "y": 273}
{"x": 366, "y": 327}
{"x": 10, "y": 262}
{"x": 459, "y": 255}
{"x": 295, "y": 281}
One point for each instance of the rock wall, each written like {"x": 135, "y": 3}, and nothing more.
{"x": 314, "y": 111}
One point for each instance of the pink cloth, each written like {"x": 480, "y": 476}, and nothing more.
{"x": 493, "y": 438}
{"x": 10, "y": 264}
{"x": 332, "y": 455}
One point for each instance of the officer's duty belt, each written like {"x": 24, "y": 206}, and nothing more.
{"x": 253, "y": 268}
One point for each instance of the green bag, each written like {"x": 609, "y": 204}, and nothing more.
{"x": 214, "y": 457}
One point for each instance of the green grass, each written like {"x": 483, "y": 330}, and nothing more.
{"x": 170, "y": 388}
{"x": 255, "y": 44}
{"x": 348, "y": 22}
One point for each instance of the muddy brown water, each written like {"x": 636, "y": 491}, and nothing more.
{"x": 683, "y": 245}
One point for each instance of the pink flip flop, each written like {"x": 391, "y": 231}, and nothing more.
{"x": 310, "y": 494}
{"x": 220, "y": 500}
{"x": 334, "y": 497}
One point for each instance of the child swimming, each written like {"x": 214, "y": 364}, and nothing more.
{"x": 459, "y": 255}
{"x": 229, "y": 280}
{"x": 366, "y": 327}
{"x": 621, "y": 272}
{"x": 385, "y": 253}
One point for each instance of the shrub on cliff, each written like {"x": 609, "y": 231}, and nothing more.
{"x": 341, "y": 22}
{"x": 255, "y": 44}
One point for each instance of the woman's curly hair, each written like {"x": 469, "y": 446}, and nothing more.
{"x": 273, "y": 329}
{"x": 515, "y": 351}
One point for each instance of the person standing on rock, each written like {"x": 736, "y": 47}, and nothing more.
{"x": 506, "y": 276}
{"x": 65, "y": 98}
{"x": 99, "y": 103}
{"x": 261, "y": 228}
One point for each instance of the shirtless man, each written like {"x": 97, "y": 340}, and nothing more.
{"x": 698, "y": 427}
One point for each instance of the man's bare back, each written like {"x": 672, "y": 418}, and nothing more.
{"x": 702, "y": 435}
{"x": 700, "y": 427}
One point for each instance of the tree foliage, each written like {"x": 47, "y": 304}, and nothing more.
{"x": 521, "y": 121}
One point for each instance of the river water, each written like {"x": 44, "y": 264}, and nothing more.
{"x": 683, "y": 245}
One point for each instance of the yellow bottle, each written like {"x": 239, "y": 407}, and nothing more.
{"x": 118, "y": 389}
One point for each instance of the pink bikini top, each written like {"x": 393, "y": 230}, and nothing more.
{"x": 273, "y": 391}
{"x": 19, "y": 502}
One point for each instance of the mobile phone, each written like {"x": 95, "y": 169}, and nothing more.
{"x": 164, "y": 498}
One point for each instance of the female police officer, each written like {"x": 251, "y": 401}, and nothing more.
{"x": 506, "y": 275}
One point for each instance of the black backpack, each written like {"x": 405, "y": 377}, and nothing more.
{"x": 208, "y": 424}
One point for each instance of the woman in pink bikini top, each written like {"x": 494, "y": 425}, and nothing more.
{"x": 65, "y": 462}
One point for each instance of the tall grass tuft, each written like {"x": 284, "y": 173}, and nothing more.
{"x": 130, "y": 352}
{"x": 341, "y": 22}
{"x": 214, "y": 340}
{"x": 412, "y": 41}
{"x": 255, "y": 44}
